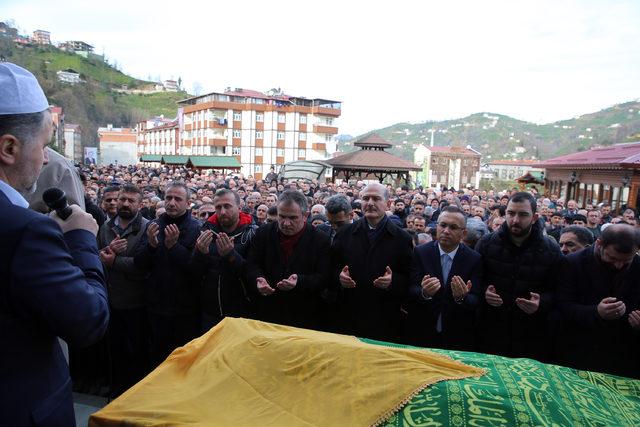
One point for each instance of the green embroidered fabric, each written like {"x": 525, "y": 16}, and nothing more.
{"x": 523, "y": 392}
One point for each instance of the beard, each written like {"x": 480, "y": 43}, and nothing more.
{"x": 520, "y": 232}
{"x": 126, "y": 214}
{"x": 29, "y": 191}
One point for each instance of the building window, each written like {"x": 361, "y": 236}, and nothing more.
{"x": 258, "y": 151}
{"x": 281, "y": 118}
{"x": 328, "y": 121}
{"x": 279, "y": 152}
{"x": 303, "y": 136}
{"x": 258, "y": 168}
{"x": 302, "y": 153}
{"x": 327, "y": 137}
{"x": 280, "y": 135}
{"x": 237, "y": 133}
{"x": 259, "y": 117}
{"x": 235, "y": 151}
{"x": 303, "y": 119}
{"x": 258, "y": 134}
{"x": 237, "y": 116}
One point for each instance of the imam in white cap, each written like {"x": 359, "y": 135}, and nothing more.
{"x": 20, "y": 92}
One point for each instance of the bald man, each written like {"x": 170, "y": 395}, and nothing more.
{"x": 371, "y": 259}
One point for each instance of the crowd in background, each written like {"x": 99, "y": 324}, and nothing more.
{"x": 467, "y": 270}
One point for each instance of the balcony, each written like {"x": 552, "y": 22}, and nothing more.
{"x": 218, "y": 142}
{"x": 217, "y": 123}
{"x": 332, "y": 130}
{"x": 334, "y": 112}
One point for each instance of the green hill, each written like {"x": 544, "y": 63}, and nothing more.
{"x": 96, "y": 101}
{"x": 497, "y": 136}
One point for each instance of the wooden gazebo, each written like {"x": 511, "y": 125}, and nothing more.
{"x": 371, "y": 162}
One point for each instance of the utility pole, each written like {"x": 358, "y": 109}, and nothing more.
{"x": 431, "y": 131}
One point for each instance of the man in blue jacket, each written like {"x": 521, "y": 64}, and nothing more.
{"x": 51, "y": 279}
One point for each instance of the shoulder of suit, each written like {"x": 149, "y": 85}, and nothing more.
{"x": 426, "y": 247}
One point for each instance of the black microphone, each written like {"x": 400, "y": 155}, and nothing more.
{"x": 56, "y": 200}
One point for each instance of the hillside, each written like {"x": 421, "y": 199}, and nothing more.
{"x": 94, "y": 102}
{"x": 497, "y": 136}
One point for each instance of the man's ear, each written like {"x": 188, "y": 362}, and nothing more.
{"x": 9, "y": 149}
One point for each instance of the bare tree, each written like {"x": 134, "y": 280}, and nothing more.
{"x": 197, "y": 88}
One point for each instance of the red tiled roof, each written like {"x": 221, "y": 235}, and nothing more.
{"x": 247, "y": 92}
{"x": 373, "y": 140}
{"x": 612, "y": 157}
{"x": 169, "y": 125}
{"x": 371, "y": 160}
{"x": 454, "y": 150}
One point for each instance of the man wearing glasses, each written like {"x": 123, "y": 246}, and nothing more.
{"x": 520, "y": 266}
{"x": 445, "y": 287}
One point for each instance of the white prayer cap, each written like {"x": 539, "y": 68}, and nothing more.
{"x": 20, "y": 92}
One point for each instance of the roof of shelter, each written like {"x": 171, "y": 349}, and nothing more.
{"x": 372, "y": 140}
{"x": 617, "y": 156}
{"x": 378, "y": 160}
{"x": 229, "y": 162}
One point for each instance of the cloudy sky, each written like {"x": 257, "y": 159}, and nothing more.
{"x": 386, "y": 61}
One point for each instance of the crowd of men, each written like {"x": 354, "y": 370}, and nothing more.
{"x": 512, "y": 273}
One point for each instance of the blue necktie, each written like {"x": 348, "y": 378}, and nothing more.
{"x": 445, "y": 262}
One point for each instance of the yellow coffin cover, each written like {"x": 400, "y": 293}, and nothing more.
{"x": 250, "y": 373}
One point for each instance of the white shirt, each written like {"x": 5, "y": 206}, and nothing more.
{"x": 13, "y": 196}
{"x": 451, "y": 254}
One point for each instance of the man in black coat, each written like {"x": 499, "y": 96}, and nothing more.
{"x": 520, "y": 266}
{"x": 288, "y": 266}
{"x": 220, "y": 259}
{"x": 172, "y": 291}
{"x": 445, "y": 287}
{"x": 599, "y": 299}
{"x": 128, "y": 328}
{"x": 371, "y": 260}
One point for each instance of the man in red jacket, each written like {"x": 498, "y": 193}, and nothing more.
{"x": 219, "y": 260}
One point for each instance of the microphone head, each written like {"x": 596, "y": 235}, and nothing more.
{"x": 55, "y": 199}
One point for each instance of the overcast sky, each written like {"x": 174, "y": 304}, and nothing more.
{"x": 386, "y": 61}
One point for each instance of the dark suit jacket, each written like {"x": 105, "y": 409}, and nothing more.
{"x": 172, "y": 289}
{"x": 302, "y": 305}
{"x": 458, "y": 319}
{"x": 586, "y": 340}
{"x": 51, "y": 285}
{"x": 367, "y": 311}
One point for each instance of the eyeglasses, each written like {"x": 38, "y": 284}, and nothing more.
{"x": 206, "y": 214}
{"x": 452, "y": 227}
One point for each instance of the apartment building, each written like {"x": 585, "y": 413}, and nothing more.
{"x": 513, "y": 169}
{"x": 456, "y": 167}
{"x": 41, "y": 37}
{"x": 260, "y": 129}
{"x": 76, "y": 45}
{"x": 158, "y": 136}
{"x": 73, "y": 142}
{"x": 57, "y": 116}
{"x": 118, "y": 146}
